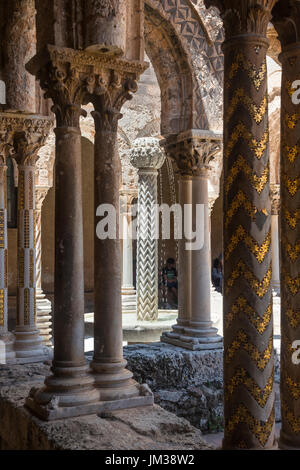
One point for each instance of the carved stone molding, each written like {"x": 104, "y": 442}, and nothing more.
{"x": 194, "y": 152}
{"x": 72, "y": 78}
{"x": 244, "y": 16}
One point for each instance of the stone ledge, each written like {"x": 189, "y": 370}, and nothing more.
{"x": 149, "y": 428}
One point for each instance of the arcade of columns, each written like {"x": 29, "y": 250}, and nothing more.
{"x": 72, "y": 78}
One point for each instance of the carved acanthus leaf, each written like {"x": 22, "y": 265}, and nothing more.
{"x": 244, "y": 16}
{"x": 72, "y": 78}
{"x": 195, "y": 156}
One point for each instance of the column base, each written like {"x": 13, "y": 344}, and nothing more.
{"x": 114, "y": 381}
{"x": 53, "y": 411}
{"x": 28, "y": 346}
{"x": 194, "y": 339}
{"x": 7, "y": 353}
{"x": 128, "y": 299}
{"x": 75, "y": 392}
{"x": 43, "y": 319}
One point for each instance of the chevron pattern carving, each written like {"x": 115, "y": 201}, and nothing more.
{"x": 248, "y": 326}
{"x": 290, "y": 249}
{"x": 147, "y": 258}
{"x": 148, "y": 157}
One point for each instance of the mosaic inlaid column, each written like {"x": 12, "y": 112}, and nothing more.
{"x": 128, "y": 291}
{"x": 248, "y": 323}
{"x": 43, "y": 305}
{"x": 194, "y": 152}
{"x": 148, "y": 157}
{"x": 275, "y": 205}
{"x": 27, "y": 142}
{"x": 286, "y": 22}
{"x": 7, "y": 353}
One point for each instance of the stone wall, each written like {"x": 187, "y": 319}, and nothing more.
{"x": 187, "y": 383}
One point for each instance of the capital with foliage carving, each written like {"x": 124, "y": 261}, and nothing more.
{"x": 72, "y": 78}
{"x": 194, "y": 152}
{"x": 28, "y": 137}
{"x": 275, "y": 198}
{"x": 147, "y": 154}
{"x": 244, "y": 16}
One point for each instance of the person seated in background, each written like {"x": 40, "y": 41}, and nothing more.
{"x": 170, "y": 280}
{"x": 217, "y": 275}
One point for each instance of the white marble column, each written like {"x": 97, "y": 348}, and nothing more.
{"x": 43, "y": 305}
{"x": 128, "y": 292}
{"x": 148, "y": 157}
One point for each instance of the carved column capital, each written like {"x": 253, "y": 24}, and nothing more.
{"x": 72, "y": 78}
{"x": 244, "y": 16}
{"x": 29, "y": 135}
{"x": 194, "y": 152}
{"x": 147, "y": 154}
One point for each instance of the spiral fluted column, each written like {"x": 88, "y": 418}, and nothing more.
{"x": 148, "y": 157}
{"x": 248, "y": 319}
{"x": 43, "y": 305}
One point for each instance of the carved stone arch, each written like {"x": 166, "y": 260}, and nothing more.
{"x": 173, "y": 70}
{"x": 183, "y": 22}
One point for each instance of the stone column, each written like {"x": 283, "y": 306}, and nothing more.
{"x": 287, "y": 21}
{"x": 43, "y": 305}
{"x": 193, "y": 152}
{"x": 27, "y": 142}
{"x": 148, "y": 157}
{"x": 248, "y": 323}
{"x": 70, "y": 386}
{"x": 275, "y": 205}
{"x": 128, "y": 291}
{"x": 7, "y": 353}
{"x": 113, "y": 380}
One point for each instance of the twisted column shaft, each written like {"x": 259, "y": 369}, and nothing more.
{"x": 43, "y": 305}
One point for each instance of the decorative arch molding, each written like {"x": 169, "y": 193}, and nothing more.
{"x": 180, "y": 22}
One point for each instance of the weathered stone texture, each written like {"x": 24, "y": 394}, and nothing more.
{"x": 149, "y": 428}
{"x": 189, "y": 384}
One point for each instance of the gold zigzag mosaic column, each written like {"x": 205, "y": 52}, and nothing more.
{"x": 7, "y": 353}
{"x": 27, "y": 142}
{"x": 248, "y": 322}
{"x": 148, "y": 157}
{"x": 286, "y": 19}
